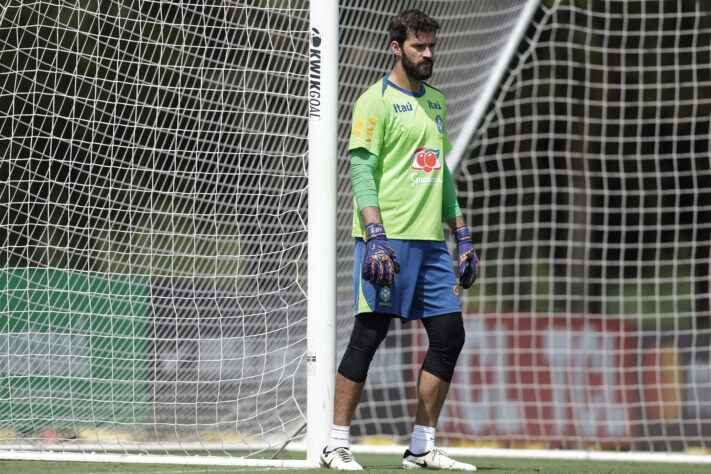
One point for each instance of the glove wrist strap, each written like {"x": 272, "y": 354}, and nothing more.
{"x": 373, "y": 231}
{"x": 462, "y": 233}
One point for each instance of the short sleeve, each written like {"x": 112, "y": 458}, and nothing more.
{"x": 368, "y": 124}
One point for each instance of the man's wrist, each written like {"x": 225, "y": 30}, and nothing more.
{"x": 374, "y": 230}
{"x": 461, "y": 233}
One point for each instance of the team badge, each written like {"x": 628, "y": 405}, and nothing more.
{"x": 440, "y": 124}
{"x": 385, "y": 294}
{"x": 426, "y": 159}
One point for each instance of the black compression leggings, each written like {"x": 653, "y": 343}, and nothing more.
{"x": 445, "y": 334}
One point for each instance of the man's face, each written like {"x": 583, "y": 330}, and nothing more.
{"x": 418, "y": 55}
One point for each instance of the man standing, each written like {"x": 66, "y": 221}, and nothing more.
{"x": 403, "y": 192}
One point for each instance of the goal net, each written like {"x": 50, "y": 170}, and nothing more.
{"x": 474, "y": 39}
{"x": 153, "y": 285}
{"x": 153, "y": 259}
{"x": 588, "y": 188}
{"x": 153, "y": 225}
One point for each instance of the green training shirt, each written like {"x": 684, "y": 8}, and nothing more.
{"x": 407, "y": 132}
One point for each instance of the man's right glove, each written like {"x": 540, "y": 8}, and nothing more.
{"x": 468, "y": 261}
{"x": 380, "y": 263}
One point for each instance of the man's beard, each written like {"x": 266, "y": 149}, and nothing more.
{"x": 420, "y": 71}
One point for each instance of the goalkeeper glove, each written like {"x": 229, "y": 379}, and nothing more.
{"x": 468, "y": 261}
{"x": 379, "y": 263}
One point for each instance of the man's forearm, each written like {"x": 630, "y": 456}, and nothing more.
{"x": 456, "y": 222}
{"x": 370, "y": 215}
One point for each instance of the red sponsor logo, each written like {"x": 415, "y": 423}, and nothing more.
{"x": 426, "y": 159}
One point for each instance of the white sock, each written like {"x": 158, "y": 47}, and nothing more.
{"x": 423, "y": 439}
{"x": 340, "y": 437}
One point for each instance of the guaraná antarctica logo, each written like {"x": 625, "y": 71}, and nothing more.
{"x": 426, "y": 159}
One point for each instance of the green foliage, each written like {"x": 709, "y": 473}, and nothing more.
{"x": 141, "y": 135}
{"x": 596, "y": 196}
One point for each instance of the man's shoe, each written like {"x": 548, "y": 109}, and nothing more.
{"x": 340, "y": 459}
{"x": 434, "y": 459}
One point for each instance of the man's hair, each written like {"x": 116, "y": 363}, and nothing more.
{"x": 413, "y": 21}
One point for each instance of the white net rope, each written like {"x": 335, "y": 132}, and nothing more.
{"x": 588, "y": 191}
{"x": 470, "y": 41}
{"x": 153, "y": 219}
{"x": 153, "y": 223}
{"x": 153, "y": 258}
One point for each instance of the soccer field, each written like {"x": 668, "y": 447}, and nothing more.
{"x": 373, "y": 463}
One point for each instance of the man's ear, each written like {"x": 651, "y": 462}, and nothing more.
{"x": 395, "y": 48}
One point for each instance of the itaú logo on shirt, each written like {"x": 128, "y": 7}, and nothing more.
{"x": 426, "y": 159}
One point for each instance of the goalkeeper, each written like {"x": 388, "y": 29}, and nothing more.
{"x": 403, "y": 192}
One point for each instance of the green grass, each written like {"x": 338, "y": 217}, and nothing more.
{"x": 374, "y": 463}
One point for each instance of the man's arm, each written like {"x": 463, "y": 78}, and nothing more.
{"x": 363, "y": 165}
{"x": 450, "y": 206}
{"x": 468, "y": 263}
{"x": 370, "y": 215}
{"x": 456, "y": 223}
{"x": 451, "y": 213}
{"x": 380, "y": 262}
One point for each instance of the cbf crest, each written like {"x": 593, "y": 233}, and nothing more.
{"x": 385, "y": 294}
{"x": 440, "y": 124}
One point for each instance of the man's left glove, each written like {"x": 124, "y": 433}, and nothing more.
{"x": 468, "y": 261}
{"x": 380, "y": 263}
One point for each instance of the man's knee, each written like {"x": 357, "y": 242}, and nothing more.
{"x": 369, "y": 330}
{"x": 446, "y": 340}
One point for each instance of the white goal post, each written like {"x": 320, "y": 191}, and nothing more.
{"x": 323, "y": 152}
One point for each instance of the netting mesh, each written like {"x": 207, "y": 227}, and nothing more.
{"x": 588, "y": 188}
{"x": 153, "y": 221}
{"x": 470, "y": 41}
{"x": 153, "y": 224}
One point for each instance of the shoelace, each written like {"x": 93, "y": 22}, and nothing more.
{"x": 345, "y": 455}
{"x": 440, "y": 453}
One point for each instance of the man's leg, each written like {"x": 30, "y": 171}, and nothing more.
{"x": 369, "y": 330}
{"x": 347, "y": 396}
{"x": 431, "y": 393}
{"x": 446, "y": 339}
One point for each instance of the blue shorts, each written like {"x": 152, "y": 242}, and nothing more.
{"x": 426, "y": 285}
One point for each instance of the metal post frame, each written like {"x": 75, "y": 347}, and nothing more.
{"x": 322, "y": 230}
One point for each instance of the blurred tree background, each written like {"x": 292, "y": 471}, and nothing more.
{"x": 589, "y": 183}
{"x": 148, "y": 137}
{"x": 137, "y": 138}
{"x": 163, "y": 141}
